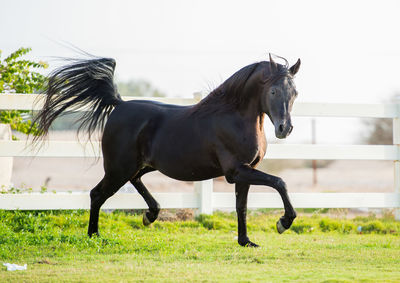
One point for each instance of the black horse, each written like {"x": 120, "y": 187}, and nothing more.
{"x": 222, "y": 135}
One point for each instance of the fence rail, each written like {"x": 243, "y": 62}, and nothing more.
{"x": 275, "y": 151}
{"x": 204, "y": 198}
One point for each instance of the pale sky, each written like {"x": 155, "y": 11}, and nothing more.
{"x": 350, "y": 50}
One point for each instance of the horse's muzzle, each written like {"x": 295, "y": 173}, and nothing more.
{"x": 282, "y": 130}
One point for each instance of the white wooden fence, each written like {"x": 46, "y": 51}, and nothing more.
{"x": 204, "y": 198}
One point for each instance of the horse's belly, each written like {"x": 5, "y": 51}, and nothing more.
{"x": 193, "y": 168}
{"x": 184, "y": 149}
{"x": 192, "y": 175}
{"x": 186, "y": 165}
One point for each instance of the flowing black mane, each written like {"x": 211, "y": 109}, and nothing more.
{"x": 230, "y": 93}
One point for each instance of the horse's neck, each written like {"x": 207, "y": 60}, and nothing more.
{"x": 252, "y": 111}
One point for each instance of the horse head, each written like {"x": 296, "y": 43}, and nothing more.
{"x": 278, "y": 95}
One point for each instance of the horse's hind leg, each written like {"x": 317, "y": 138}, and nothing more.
{"x": 107, "y": 187}
{"x": 95, "y": 204}
{"x": 154, "y": 208}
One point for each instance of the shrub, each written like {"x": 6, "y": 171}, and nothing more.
{"x": 301, "y": 226}
{"x": 375, "y": 226}
{"x": 17, "y": 76}
{"x": 343, "y": 226}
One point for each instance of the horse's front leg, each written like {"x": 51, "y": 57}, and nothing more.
{"x": 242, "y": 191}
{"x": 246, "y": 174}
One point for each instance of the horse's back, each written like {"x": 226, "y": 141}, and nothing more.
{"x": 133, "y": 114}
{"x": 129, "y": 129}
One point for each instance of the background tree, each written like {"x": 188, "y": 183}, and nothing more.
{"x": 18, "y": 75}
{"x": 380, "y": 131}
{"x": 138, "y": 88}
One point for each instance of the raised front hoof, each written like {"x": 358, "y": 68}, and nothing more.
{"x": 148, "y": 218}
{"x": 284, "y": 223}
{"x": 146, "y": 221}
{"x": 280, "y": 227}
{"x": 248, "y": 244}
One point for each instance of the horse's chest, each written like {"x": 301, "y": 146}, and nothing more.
{"x": 252, "y": 147}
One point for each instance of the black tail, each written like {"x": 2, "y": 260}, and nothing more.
{"x": 83, "y": 83}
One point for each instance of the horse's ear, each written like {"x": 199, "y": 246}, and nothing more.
{"x": 295, "y": 68}
{"x": 273, "y": 67}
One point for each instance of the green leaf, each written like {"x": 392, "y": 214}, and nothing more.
{"x": 17, "y": 75}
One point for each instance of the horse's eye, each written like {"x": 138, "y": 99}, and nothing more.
{"x": 272, "y": 91}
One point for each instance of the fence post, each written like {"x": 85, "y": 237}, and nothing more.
{"x": 204, "y": 189}
{"x": 396, "y": 141}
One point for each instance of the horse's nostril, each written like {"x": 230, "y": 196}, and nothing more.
{"x": 280, "y": 128}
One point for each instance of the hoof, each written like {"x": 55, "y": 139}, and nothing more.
{"x": 251, "y": 245}
{"x": 146, "y": 221}
{"x": 280, "y": 227}
{"x": 248, "y": 244}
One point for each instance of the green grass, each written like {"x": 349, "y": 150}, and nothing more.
{"x": 317, "y": 249}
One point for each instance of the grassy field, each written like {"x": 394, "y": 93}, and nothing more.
{"x": 316, "y": 249}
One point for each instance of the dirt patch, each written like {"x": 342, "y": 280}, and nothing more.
{"x": 176, "y": 215}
